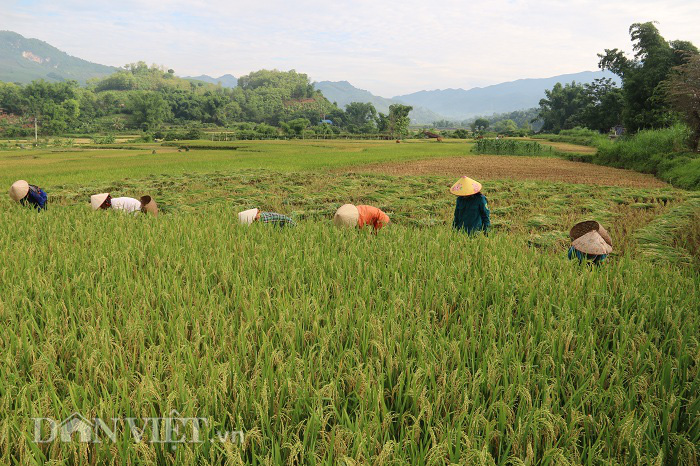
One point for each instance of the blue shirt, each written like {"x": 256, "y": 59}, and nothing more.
{"x": 36, "y": 197}
{"x": 472, "y": 214}
{"x": 576, "y": 254}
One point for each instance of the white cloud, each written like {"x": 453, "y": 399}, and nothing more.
{"x": 388, "y": 47}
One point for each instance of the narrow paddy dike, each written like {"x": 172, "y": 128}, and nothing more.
{"x": 492, "y": 167}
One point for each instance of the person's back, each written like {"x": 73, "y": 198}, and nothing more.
{"x": 127, "y": 204}
{"x": 471, "y": 213}
{"x": 370, "y": 215}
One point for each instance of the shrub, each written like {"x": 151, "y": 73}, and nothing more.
{"x": 511, "y": 147}
{"x": 660, "y": 152}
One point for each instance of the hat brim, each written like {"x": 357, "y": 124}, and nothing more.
{"x": 465, "y": 186}
{"x": 19, "y": 190}
{"x": 346, "y": 216}
{"x": 96, "y": 200}
{"x": 149, "y": 206}
{"x": 582, "y": 228}
{"x": 592, "y": 243}
{"x": 247, "y": 216}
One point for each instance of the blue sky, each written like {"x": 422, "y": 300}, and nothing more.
{"x": 387, "y": 47}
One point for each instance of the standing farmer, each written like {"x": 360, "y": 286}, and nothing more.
{"x": 350, "y": 215}
{"x": 26, "y": 193}
{"x": 471, "y": 210}
{"x": 589, "y": 242}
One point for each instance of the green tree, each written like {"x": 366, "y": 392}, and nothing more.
{"x": 480, "y": 124}
{"x": 397, "y": 122}
{"x": 506, "y": 126}
{"x": 561, "y": 106}
{"x": 359, "y": 114}
{"x": 683, "y": 93}
{"x": 603, "y": 105}
{"x": 644, "y": 105}
{"x": 298, "y": 126}
{"x": 148, "y": 109}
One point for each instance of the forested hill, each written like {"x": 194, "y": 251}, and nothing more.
{"x": 24, "y": 60}
{"x": 147, "y": 98}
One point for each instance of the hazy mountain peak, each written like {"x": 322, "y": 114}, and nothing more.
{"x": 226, "y": 80}
{"x": 24, "y": 60}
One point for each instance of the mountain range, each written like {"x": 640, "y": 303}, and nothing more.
{"x": 23, "y": 60}
{"x": 226, "y": 80}
{"x": 460, "y": 104}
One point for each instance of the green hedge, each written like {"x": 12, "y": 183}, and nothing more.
{"x": 662, "y": 152}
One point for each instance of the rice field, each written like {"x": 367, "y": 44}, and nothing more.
{"x": 416, "y": 346}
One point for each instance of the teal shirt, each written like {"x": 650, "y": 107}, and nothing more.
{"x": 472, "y": 214}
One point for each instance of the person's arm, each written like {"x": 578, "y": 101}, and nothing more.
{"x": 485, "y": 213}
{"x": 380, "y": 220}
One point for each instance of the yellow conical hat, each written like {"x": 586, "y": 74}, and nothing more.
{"x": 465, "y": 186}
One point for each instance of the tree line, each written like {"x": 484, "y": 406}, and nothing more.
{"x": 139, "y": 97}
{"x": 660, "y": 85}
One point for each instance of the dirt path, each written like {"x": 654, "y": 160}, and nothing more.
{"x": 484, "y": 167}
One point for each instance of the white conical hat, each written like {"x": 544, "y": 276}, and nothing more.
{"x": 592, "y": 243}
{"x": 346, "y": 216}
{"x": 247, "y": 216}
{"x": 96, "y": 200}
{"x": 19, "y": 190}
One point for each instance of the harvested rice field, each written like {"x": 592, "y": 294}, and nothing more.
{"x": 497, "y": 167}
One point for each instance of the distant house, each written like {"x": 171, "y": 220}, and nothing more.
{"x": 327, "y": 122}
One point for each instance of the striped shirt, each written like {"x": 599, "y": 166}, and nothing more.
{"x": 276, "y": 219}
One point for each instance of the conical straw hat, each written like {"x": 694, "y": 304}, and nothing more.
{"x": 346, "y": 216}
{"x": 96, "y": 200}
{"x": 582, "y": 228}
{"x": 592, "y": 243}
{"x": 247, "y": 216}
{"x": 19, "y": 190}
{"x": 465, "y": 186}
{"x": 149, "y": 206}
{"x": 605, "y": 235}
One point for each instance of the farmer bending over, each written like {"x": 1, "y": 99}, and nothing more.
{"x": 28, "y": 194}
{"x": 350, "y": 215}
{"x": 249, "y": 216}
{"x": 590, "y": 242}
{"x": 127, "y": 204}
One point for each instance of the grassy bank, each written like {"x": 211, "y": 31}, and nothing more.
{"x": 661, "y": 152}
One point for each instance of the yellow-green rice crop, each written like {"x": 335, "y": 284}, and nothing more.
{"x": 416, "y": 346}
